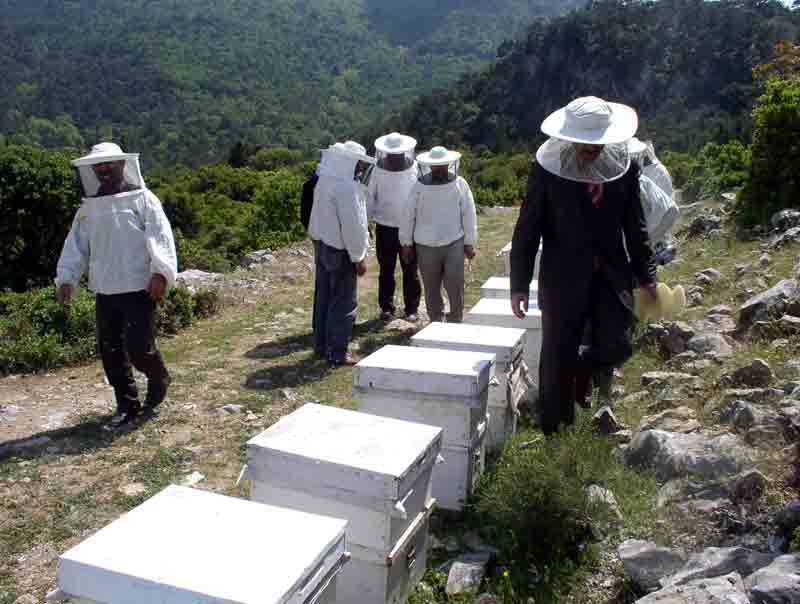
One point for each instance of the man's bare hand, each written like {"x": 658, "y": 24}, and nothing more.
{"x": 361, "y": 268}
{"x": 469, "y": 252}
{"x": 407, "y": 253}
{"x": 157, "y": 287}
{"x": 519, "y": 305}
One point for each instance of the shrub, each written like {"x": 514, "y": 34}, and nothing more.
{"x": 36, "y": 334}
{"x": 774, "y": 180}
{"x": 716, "y": 168}
{"x": 276, "y": 219}
{"x": 534, "y": 507}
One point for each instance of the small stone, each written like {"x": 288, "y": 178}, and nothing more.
{"x": 710, "y": 342}
{"x": 665, "y": 378}
{"x": 134, "y": 489}
{"x": 193, "y": 479}
{"x": 26, "y": 599}
{"x": 765, "y": 259}
{"x": 603, "y": 498}
{"x": 785, "y": 219}
{"x": 719, "y": 590}
{"x": 788, "y": 519}
{"x": 486, "y": 599}
{"x": 778, "y": 583}
{"x": 721, "y": 309}
{"x": 768, "y": 304}
{"x": 605, "y": 422}
{"x": 716, "y": 561}
{"x": 757, "y": 374}
{"x": 703, "y": 280}
{"x": 747, "y": 487}
{"x": 233, "y": 409}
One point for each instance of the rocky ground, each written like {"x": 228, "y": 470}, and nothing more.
{"x": 710, "y": 404}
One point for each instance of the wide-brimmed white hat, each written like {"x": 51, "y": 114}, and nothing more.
{"x": 593, "y": 121}
{"x": 351, "y": 149}
{"x": 635, "y": 146}
{"x": 104, "y": 152}
{"x": 395, "y": 143}
{"x": 438, "y": 156}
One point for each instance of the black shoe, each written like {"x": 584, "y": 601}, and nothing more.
{"x": 124, "y": 417}
{"x": 156, "y": 392}
{"x": 387, "y": 315}
{"x": 347, "y": 361}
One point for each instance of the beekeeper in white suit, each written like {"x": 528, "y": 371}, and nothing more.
{"x": 389, "y": 189}
{"x": 338, "y": 227}
{"x": 440, "y": 228}
{"x": 122, "y": 237}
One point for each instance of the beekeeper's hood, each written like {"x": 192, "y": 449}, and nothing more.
{"x": 340, "y": 160}
{"x": 438, "y": 157}
{"x": 395, "y": 152}
{"x": 592, "y": 121}
{"x": 107, "y": 170}
{"x": 641, "y": 152}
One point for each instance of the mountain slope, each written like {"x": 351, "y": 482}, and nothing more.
{"x": 684, "y": 64}
{"x": 186, "y": 79}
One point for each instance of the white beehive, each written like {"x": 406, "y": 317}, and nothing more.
{"x": 185, "y": 546}
{"x": 506, "y": 254}
{"x": 500, "y": 288}
{"x": 510, "y": 384}
{"x": 375, "y": 472}
{"x": 497, "y": 313}
{"x": 441, "y": 388}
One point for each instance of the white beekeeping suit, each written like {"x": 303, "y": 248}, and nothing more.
{"x": 660, "y": 210}
{"x": 339, "y": 215}
{"x": 439, "y": 210}
{"x": 122, "y": 238}
{"x": 390, "y": 184}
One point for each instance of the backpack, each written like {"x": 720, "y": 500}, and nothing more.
{"x": 307, "y": 200}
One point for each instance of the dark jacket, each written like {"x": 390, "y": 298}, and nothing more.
{"x": 576, "y": 236}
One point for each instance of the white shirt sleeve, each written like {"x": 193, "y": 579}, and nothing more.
{"x": 353, "y": 222}
{"x": 74, "y": 259}
{"x": 160, "y": 241}
{"x": 372, "y": 197}
{"x": 408, "y": 219}
{"x": 469, "y": 218}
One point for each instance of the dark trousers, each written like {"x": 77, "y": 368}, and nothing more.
{"x": 564, "y": 365}
{"x": 387, "y": 244}
{"x": 126, "y": 335}
{"x": 335, "y": 301}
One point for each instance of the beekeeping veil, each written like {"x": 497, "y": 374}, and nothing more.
{"x": 395, "y": 152}
{"x": 107, "y": 170}
{"x": 438, "y": 166}
{"x": 591, "y": 121}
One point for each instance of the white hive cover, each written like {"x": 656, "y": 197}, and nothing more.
{"x": 327, "y": 435}
{"x": 498, "y": 312}
{"x": 506, "y": 343}
{"x": 426, "y": 371}
{"x": 185, "y": 546}
{"x": 507, "y": 248}
{"x": 503, "y": 284}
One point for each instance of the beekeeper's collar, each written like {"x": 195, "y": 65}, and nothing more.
{"x": 560, "y": 157}
{"x": 107, "y": 170}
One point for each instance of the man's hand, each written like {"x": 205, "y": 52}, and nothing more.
{"x": 519, "y": 305}
{"x": 157, "y": 287}
{"x": 407, "y": 253}
{"x": 361, "y": 268}
{"x": 650, "y": 288}
{"x": 469, "y": 252}
{"x": 64, "y": 296}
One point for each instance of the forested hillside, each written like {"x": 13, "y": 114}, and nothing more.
{"x": 684, "y": 64}
{"x": 183, "y": 80}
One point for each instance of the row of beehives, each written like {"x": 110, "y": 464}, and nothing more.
{"x": 419, "y": 439}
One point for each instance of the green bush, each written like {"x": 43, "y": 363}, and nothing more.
{"x": 533, "y": 504}
{"x": 37, "y": 334}
{"x": 716, "y": 168}
{"x": 276, "y": 219}
{"x": 774, "y": 180}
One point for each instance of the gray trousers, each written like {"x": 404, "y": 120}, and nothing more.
{"x": 443, "y": 266}
{"x": 335, "y": 301}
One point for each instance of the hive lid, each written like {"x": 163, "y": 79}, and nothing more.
{"x": 504, "y": 284}
{"x": 498, "y": 312}
{"x": 329, "y": 448}
{"x": 426, "y": 371}
{"x": 506, "y": 343}
{"x": 185, "y": 546}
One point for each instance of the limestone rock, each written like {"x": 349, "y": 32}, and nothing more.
{"x": 768, "y": 304}
{"x": 757, "y": 374}
{"x": 673, "y": 455}
{"x": 748, "y": 486}
{"x": 646, "y": 563}
{"x": 789, "y": 325}
{"x": 712, "y": 274}
{"x": 258, "y": 257}
{"x": 680, "y": 419}
{"x": 605, "y": 422}
{"x": 717, "y": 561}
{"x": 466, "y": 574}
{"x": 785, "y": 219}
{"x": 721, "y": 309}
{"x": 778, "y": 583}
{"x": 704, "y": 224}
{"x": 720, "y": 590}
{"x": 787, "y": 237}
{"x": 233, "y": 409}
{"x": 603, "y": 498}
{"x": 26, "y": 599}
{"x": 710, "y": 343}
{"x": 666, "y": 378}
{"x": 788, "y": 519}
